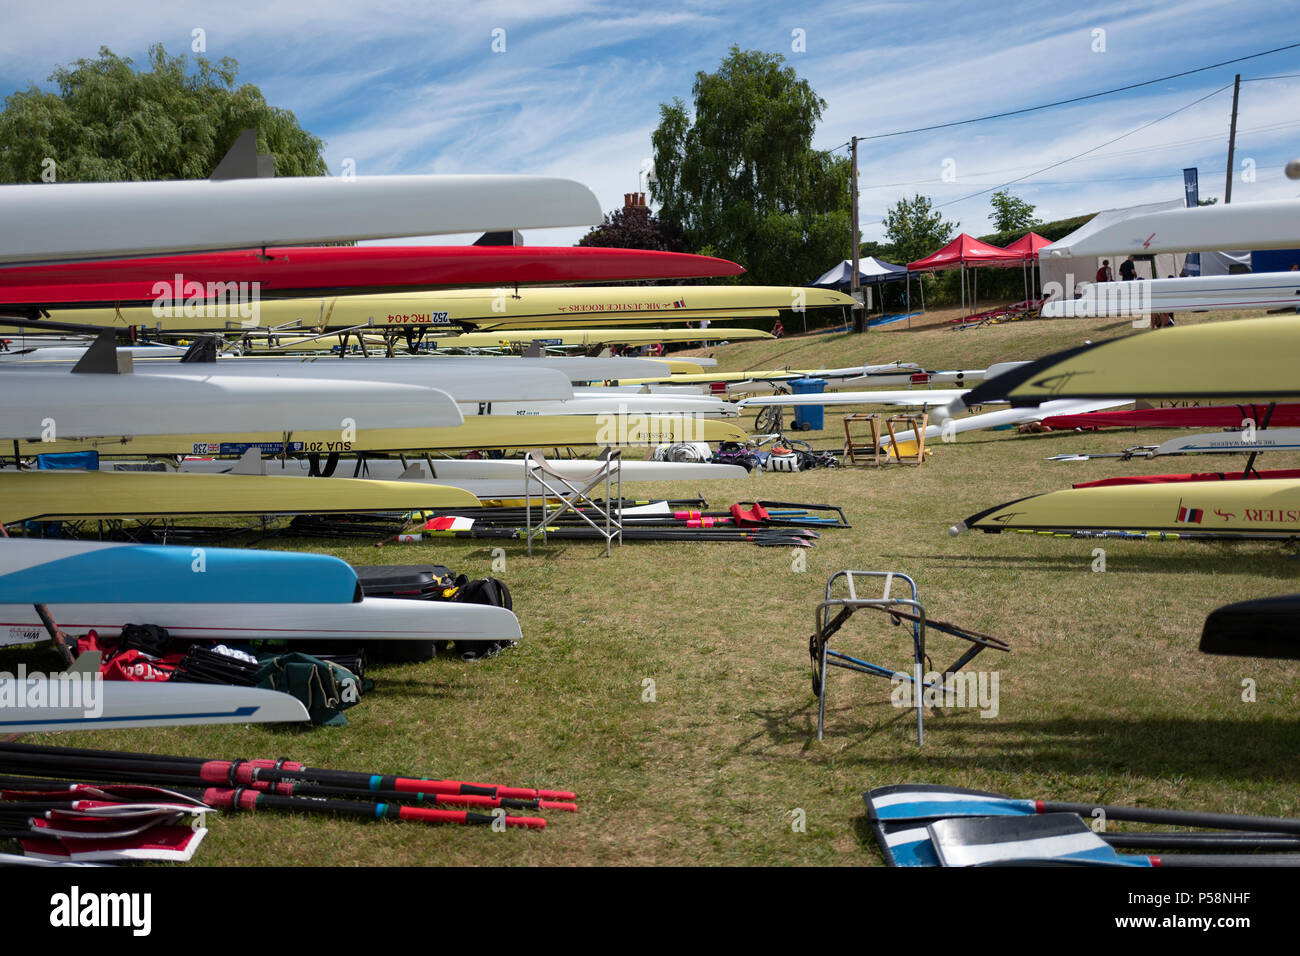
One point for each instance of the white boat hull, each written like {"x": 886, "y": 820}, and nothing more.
{"x": 119, "y": 704}
{"x": 371, "y": 619}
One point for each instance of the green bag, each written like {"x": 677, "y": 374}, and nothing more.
{"x": 325, "y": 689}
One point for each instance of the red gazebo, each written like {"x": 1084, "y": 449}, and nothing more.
{"x": 962, "y": 252}
{"x": 1027, "y": 247}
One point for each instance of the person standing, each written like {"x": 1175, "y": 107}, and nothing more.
{"x": 1128, "y": 269}
{"x": 1104, "y": 274}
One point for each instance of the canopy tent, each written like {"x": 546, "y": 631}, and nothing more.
{"x": 1027, "y": 247}
{"x": 871, "y": 271}
{"x": 962, "y": 252}
{"x": 1057, "y": 265}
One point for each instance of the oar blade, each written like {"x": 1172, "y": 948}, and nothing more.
{"x": 1053, "y": 837}
{"x": 922, "y": 801}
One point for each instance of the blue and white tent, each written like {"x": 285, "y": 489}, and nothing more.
{"x": 871, "y": 271}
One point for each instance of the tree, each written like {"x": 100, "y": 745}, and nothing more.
{"x": 108, "y": 122}
{"x": 741, "y": 179}
{"x": 1011, "y": 213}
{"x": 634, "y": 228}
{"x": 916, "y": 229}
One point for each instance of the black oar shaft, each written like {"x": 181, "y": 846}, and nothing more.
{"x": 1183, "y": 818}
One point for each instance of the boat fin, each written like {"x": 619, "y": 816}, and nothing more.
{"x": 103, "y": 358}
{"x": 534, "y": 350}
{"x": 250, "y": 463}
{"x": 412, "y": 471}
{"x": 507, "y": 238}
{"x": 243, "y": 161}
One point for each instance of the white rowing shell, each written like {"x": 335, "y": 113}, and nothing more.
{"x": 35, "y": 403}
{"x": 371, "y": 619}
{"x": 61, "y": 221}
{"x": 138, "y": 704}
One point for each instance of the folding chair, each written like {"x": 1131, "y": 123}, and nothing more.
{"x": 567, "y": 490}
{"x": 900, "y": 609}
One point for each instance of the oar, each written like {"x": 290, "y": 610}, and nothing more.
{"x": 908, "y": 843}
{"x": 299, "y": 788}
{"x": 927, "y": 802}
{"x": 1061, "y": 838}
{"x": 246, "y": 798}
{"x": 367, "y": 781}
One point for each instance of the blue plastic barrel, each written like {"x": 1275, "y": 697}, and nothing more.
{"x": 809, "y": 417}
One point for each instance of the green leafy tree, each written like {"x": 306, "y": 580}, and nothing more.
{"x": 634, "y": 228}
{"x": 109, "y": 122}
{"x": 1011, "y": 213}
{"x": 915, "y": 229}
{"x": 740, "y": 178}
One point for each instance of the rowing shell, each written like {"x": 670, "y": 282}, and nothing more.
{"x": 218, "y": 594}
{"x": 371, "y": 619}
{"x": 512, "y": 308}
{"x": 1257, "y": 291}
{"x": 49, "y": 403}
{"x": 1244, "y": 358}
{"x": 458, "y": 471}
{"x": 48, "y": 222}
{"x": 480, "y": 431}
{"x": 1255, "y": 225}
{"x": 1215, "y": 443}
{"x": 918, "y": 396}
{"x": 1265, "y": 507}
{"x": 1006, "y": 416}
{"x": 138, "y": 704}
{"x": 70, "y": 495}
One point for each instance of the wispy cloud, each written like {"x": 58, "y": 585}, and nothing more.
{"x": 572, "y": 87}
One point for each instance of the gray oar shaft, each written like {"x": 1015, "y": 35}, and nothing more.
{"x": 1186, "y": 818}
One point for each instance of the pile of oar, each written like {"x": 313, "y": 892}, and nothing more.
{"x": 373, "y": 526}
{"x": 765, "y": 523}
{"x": 57, "y": 822}
{"x": 194, "y": 785}
{"x": 925, "y": 825}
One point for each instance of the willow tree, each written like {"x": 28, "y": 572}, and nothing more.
{"x": 106, "y": 121}
{"x": 740, "y": 178}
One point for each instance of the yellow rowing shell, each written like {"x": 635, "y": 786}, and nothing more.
{"x": 1264, "y": 507}
{"x": 69, "y": 495}
{"x": 479, "y": 431}
{"x": 514, "y": 308}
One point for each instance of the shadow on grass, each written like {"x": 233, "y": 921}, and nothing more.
{"x": 1173, "y": 561}
{"x": 879, "y": 737}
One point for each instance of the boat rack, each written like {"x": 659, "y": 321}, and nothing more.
{"x": 879, "y": 449}
{"x": 574, "y": 491}
{"x": 834, "y": 612}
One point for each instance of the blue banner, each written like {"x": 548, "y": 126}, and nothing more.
{"x": 1192, "y": 190}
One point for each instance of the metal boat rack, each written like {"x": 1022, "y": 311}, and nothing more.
{"x": 834, "y": 612}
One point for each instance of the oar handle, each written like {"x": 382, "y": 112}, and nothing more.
{"x": 1186, "y": 818}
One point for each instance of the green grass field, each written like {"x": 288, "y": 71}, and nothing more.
{"x": 1103, "y": 697}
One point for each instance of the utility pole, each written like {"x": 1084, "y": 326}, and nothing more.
{"x": 1232, "y": 140}
{"x": 855, "y": 282}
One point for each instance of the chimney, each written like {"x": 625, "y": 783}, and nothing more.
{"x": 634, "y": 201}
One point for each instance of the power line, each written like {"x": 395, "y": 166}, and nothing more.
{"x": 1093, "y": 149}
{"x": 1173, "y": 144}
{"x": 1079, "y": 99}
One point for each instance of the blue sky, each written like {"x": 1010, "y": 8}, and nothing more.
{"x": 415, "y": 88}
